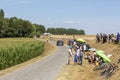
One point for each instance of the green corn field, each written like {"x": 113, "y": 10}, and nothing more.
{"x": 18, "y": 50}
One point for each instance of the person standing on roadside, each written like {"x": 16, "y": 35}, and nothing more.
{"x": 76, "y": 56}
{"x": 97, "y": 38}
{"x": 69, "y": 54}
{"x": 109, "y": 38}
{"x": 81, "y": 54}
{"x": 118, "y": 37}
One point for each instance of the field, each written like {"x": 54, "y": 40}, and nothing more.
{"x": 85, "y": 72}
{"x": 23, "y": 46}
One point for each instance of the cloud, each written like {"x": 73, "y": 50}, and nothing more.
{"x": 20, "y": 2}
{"x": 71, "y": 22}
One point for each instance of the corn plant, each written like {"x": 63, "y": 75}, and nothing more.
{"x": 15, "y": 51}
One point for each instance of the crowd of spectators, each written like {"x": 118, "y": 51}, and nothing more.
{"x": 110, "y": 38}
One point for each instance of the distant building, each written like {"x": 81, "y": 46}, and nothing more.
{"x": 46, "y": 34}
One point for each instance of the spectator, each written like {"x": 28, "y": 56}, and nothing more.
{"x": 97, "y": 38}
{"x": 101, "y": 36}
{"x": 69, "y": 54}
{"x": 118, "y": 37}
{"x": 104, "y": 38}
{"x": 76, "y": 56}
{"x": 81, "y": 55}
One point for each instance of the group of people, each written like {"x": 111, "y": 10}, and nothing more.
{"x": 78, "y": 49}
{"x": 95, "y": 59}
{"x": 108, "y": 38}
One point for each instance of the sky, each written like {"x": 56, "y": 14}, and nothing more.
{"x": 93, "y": 16}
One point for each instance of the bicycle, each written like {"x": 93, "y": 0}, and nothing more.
{"x": 110, "y": 70}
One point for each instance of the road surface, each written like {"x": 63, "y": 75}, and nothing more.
{"x": 45, "y": 69}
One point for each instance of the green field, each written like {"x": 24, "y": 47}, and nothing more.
{"x": 18, "y": 50}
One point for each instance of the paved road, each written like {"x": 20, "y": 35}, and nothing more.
{"x": 45, "y": 69}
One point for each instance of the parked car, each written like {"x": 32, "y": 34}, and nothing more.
{"x": 60, "y": 43}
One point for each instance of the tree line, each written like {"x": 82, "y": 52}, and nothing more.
{"x": 17, "y": 27}
{"x": 62, "y": 31}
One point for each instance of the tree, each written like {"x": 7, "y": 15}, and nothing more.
{"x": 27, "y": 28}
{"x": 51, "y": 30}
{"x": 82, "y": 32}
{"x": 40, "y": 29}
{"x": 13, "y": 27}
{"x": 3, "y": 26}
{"x": 16, "y": 27}
{"x": 62, "y": 31}
{"x": 1, "y": 13}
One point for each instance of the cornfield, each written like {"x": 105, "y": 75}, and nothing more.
{"x": 18, "y": 50}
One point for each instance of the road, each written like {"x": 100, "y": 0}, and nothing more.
{"x": 45, "y": 69}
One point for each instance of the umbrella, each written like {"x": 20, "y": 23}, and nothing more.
{"x": 99, "y": 51}
{"x": 101, "y": 54}
{"x": 80, "y": 40}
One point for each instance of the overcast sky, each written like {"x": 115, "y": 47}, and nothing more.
{"x": 93, "y": 16}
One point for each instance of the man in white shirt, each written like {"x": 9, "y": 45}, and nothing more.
{"x": 69, "y": 54}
